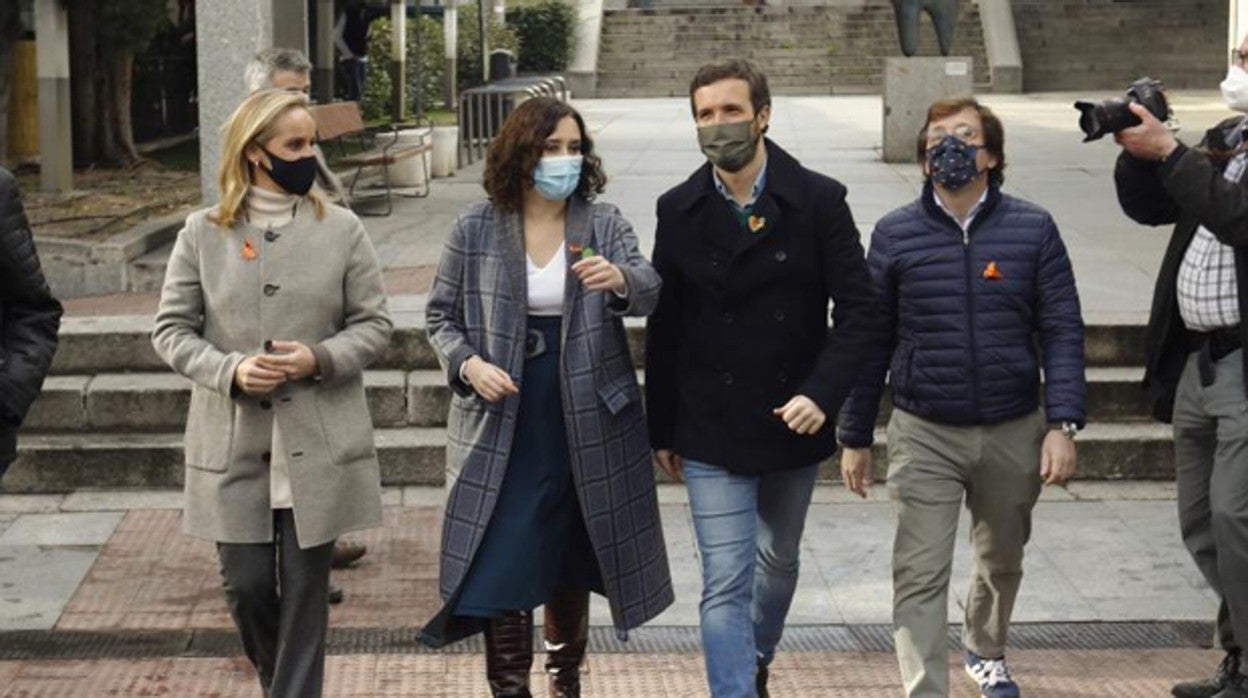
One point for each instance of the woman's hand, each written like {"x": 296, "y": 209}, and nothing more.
{"x": 490, "y": 381}
{"x": 293, "y": 359}
{"x": 254, "y": 379}
{"x": 598, "y": 274}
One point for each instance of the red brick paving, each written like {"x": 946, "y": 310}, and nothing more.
{"x": 150, "y": 576}
{"x": 1042, "y": 674}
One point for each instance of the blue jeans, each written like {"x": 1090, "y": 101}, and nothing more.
{"x": 749, "y": 530}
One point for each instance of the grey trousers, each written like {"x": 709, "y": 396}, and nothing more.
{"x": 278, "y": 596}
{"x": 933, "y": 469}
{"x": 1211, "y": 459}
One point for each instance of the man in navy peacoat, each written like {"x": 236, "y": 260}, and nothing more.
{"x": 742, "y": 374}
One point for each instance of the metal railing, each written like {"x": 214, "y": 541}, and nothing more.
{"x": 483, "y": 109}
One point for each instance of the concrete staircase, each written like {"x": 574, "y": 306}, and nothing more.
{"x": 829, "y": 49}
{"x": 1105, "y": 44}
{"x": 112, "y": 415}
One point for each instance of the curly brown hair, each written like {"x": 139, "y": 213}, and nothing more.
{"x": 513, "y": 155}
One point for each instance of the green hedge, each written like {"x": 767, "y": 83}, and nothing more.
{"x": 468, "y": 55}
{"x": 426, "y": 62}
{"x": 546, "y": 32}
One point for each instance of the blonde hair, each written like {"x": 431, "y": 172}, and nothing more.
{"x": 254, "y": 121}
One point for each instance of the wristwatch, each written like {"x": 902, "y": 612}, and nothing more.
{"x": 1069, "y": 429}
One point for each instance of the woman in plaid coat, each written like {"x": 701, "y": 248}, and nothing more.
{"x": 552, "y": 491}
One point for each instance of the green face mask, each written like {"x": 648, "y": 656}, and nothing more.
{"x": 729, "y": 147}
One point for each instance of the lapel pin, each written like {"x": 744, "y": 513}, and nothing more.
{"x": 249, "y": 250}
{"x": 992, "y": 273}
{"x": 757, "y": 223}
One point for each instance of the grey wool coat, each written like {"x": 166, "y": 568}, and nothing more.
{"x": 311, "y": 281}
{"x": 478, "y": 305}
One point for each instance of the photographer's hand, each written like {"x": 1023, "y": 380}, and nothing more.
{"x": 1151, "y": 140}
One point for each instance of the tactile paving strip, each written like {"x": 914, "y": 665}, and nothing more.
{"x": 1041, "y": 673}
{"x": 77, "y": 644}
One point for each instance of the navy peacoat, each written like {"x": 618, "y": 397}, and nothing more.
{"x": 742, "y": 321}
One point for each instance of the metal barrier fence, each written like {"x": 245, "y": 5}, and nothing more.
{"x": 483, "y": 109}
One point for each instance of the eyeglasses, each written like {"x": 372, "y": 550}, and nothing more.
{"x": 1237, "y": 57}
{"x": 963, "y": 132}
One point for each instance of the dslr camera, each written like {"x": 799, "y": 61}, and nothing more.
{"x": 1112, "y": 115}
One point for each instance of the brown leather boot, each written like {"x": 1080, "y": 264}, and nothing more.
{"x": 567, "y": 635}
{"x": 509, "y": 654}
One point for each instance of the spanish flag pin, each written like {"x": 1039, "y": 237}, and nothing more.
{"x": 992, "y": 273}
{"x": 757, "y": 223}
{"x": 249, "y": 251}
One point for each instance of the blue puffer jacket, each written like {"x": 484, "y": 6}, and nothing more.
{"x": 970, "y": 315}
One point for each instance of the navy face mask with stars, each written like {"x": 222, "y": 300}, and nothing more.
{"x": 952, "y": 162}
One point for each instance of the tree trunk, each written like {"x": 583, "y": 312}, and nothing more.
{"x": 117, "y": 140}
{"x": 6, "y": 84}
{"x": 84, "y": 77}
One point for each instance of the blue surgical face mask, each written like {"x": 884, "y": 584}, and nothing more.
{"x": 951, "y": 162}
{"x": 556, "y": 177}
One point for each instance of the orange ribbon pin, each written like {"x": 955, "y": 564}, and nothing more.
{"x": 757, "y": 223}
{"x": 992, "y": 273}
{"x": 249, "y": 250}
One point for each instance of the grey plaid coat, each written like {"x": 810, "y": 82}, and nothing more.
{"x": 478, "y": 305}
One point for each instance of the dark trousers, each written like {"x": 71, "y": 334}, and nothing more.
{"x": 278, "y": 595}
{"x": 355, "y": 74}
{"x": 1211, "y": 457}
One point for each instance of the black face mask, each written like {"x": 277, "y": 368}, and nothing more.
{"x": 295, "y": 176}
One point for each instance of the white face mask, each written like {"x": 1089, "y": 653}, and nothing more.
{"x": 1235, "y": 89}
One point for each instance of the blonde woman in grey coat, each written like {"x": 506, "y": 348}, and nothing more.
{"x": 272, "y": 306}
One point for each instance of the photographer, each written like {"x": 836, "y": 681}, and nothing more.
{"x": 1196, "y": 365}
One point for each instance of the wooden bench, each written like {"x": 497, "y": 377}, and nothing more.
{"x": 339, "y": 121}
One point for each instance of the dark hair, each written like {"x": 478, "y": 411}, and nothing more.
{"x": 514, "y": 153}
{"x": 760, "y": 94}
{"x": 994, "y": 132}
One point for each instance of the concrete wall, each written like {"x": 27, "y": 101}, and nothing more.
{"x": 1104, "y": 45}
{"x": 582, "y": 71}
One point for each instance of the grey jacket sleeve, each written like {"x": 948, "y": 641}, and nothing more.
{"x": 444, "y": 311}
{"x": 642, "y": 281}
{"x": 178, "y": 332}
{"x": 366, "y": 320}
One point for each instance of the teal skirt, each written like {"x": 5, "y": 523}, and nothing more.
{"x": 536, "y": 542}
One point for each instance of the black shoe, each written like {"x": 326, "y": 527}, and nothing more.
{"x": 1236, "y": 687}
{"x": 335, "y": 594}
{"x": 760, "y": 681}
{"x": 345, "y": 554}
{"x": 1208, "y": 688}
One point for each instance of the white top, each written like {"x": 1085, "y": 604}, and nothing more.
{"x": 266, "y": 210}
{"x": 1208, "y": 284}
{"x": 546, "y": 284}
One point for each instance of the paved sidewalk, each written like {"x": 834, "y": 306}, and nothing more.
{"x": 93, "y": 584}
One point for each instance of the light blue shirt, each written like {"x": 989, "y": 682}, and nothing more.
{"x": 759, "y": 182}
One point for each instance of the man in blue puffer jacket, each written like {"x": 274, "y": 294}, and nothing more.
{"x": 977, "y": 287}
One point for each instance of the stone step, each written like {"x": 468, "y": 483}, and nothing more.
{"x": 122, "y": 344}
{"x": 147, "y": 272}
{"x": 1079, "y": 45}
{"x": 157, "y": 402}
{"x": 65, "y": 462}
{"x": 803, "y": 50}
{"x": 416, "y": 456}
